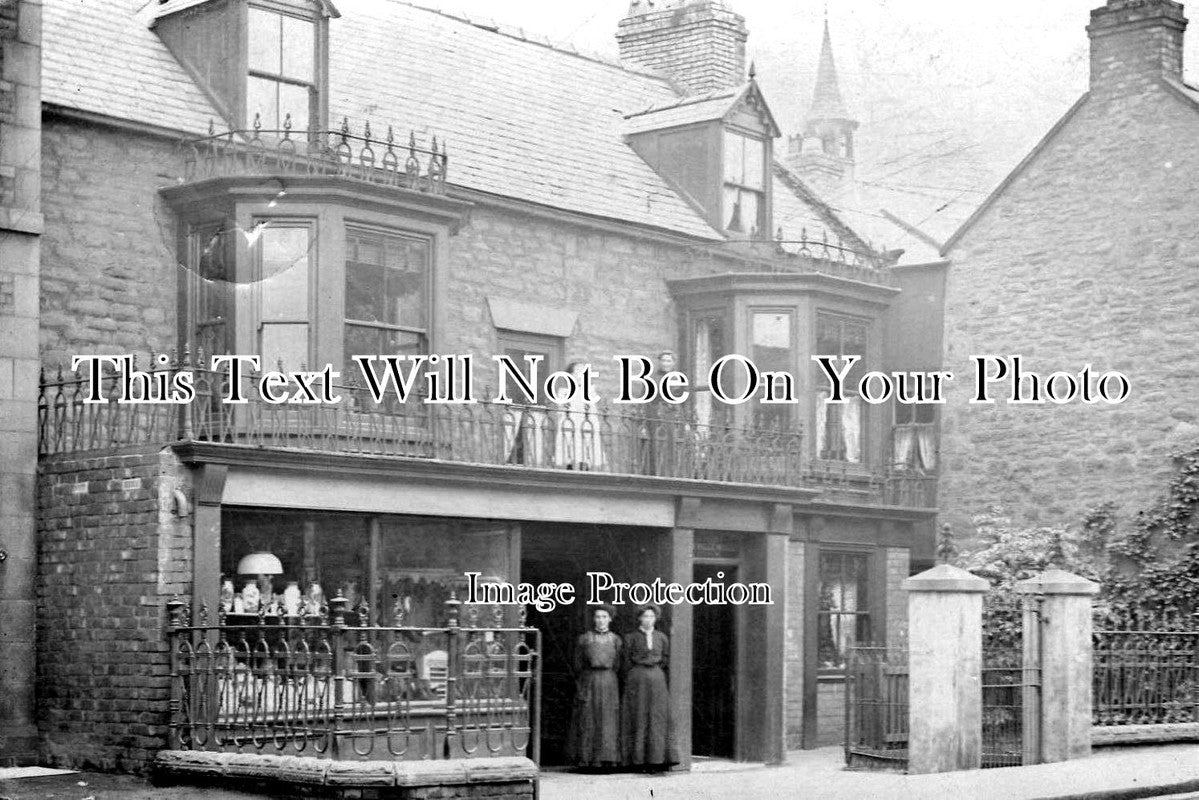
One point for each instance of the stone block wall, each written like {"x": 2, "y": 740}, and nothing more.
{"x": 109, "y": 274}
{"x": 1090, "y": 256}
{"x": 20, "y": 252}
{"x": 897, "y": 564}
{"x": 113, "y": 552}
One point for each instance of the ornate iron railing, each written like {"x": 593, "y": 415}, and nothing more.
{"x": 780, "y": 254}
{"x": 586, "y": 438}
{"x": 1145, "y": 676}
{"x": 364, "y": 157}
{"x": 332, "y": 686}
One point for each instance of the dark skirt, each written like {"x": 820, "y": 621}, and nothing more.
{"x": 594, "y": 722}
{"x": 646, "y": 727}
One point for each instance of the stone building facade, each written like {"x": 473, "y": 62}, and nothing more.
{"x": 20, "y": 231}
{"x": 1085, "y": 255}
{"x": 556, "y": 227}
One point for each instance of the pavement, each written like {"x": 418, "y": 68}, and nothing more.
{"x": 1160, "y": 771}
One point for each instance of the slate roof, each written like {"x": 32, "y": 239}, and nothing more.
{"x": 523, "y": 119}
{"x": 99, "y": 56}
{"x": 695, "y": 108}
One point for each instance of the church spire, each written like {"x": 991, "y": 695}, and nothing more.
{"x": 823, "y": 153}
{"x": 826, "y": 100}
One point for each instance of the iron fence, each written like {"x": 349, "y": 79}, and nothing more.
{"x": 1144, "y": 676}
{"x": 339, "y": 688}
{"x": 876, "y": 708}
{"x": 591, "y": 437}
{"x": 358, "y": 156}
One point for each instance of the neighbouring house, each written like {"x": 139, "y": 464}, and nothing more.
{"x": 306, "y": 181}
{"x": 1084, "y": 255}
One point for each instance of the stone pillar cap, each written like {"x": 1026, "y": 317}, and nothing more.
{"x": 946, "y": 578}
{"x": 1057, "y": 581}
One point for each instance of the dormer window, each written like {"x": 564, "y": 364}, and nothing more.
{"x": 744, "y": 183}
{"x": 256, "y": 59}
{"x": 281, "y": 79}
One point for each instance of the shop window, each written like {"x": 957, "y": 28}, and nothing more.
{"x": 840, "y": 426}
{"x": 281, "y": 81}
{"x": 843, "y": 618}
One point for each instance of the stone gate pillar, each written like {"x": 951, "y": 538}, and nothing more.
{"x": 945, "y": 663}
{"x": 1062, "y": 602}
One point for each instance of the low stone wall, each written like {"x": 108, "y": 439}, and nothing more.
{"x": 1114, "y": 735}
{"x": 503, "y": 778}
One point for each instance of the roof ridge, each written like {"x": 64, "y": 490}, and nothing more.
{"x": 690, "y": 99}
{"x": 518, "y": 33}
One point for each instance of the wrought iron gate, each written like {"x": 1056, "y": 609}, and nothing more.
{"x": 1011, "y": 694}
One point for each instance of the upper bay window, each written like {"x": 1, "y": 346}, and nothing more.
{"x": 840, "y": 426}
{"x": 387, "y": 279}
{"x": 284, "y": 267}
{"x": 281, "y": 79}
{"x": 744, "y": 193}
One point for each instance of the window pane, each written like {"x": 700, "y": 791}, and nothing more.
{"x": 926, "y": 413}
{"x": 264, "y": 41}
{"x": 751, "y": 212}
{"x": 298, "y": 48}
{"x": 286, "y": 344}
{"x": 733, "y": 218}
{"x": 387, "y": 279}
{"x": 734, "y": 155}
{"x": 293, "y": 100}
{"x": 755, "y": 164}
{"x": 771, "y": 350}
{"x": 284, "y": 271}
{"x": 262, "y": 98}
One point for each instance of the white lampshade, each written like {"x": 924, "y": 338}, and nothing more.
{"x": 260, "y": 564}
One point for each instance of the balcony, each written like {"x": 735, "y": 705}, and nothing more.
{"x": 342, "y": 153}
{"x": 597, "y": 438}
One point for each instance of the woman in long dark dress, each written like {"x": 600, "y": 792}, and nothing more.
{"x": 646, "y": 728}
{"x": 594, "y": 721}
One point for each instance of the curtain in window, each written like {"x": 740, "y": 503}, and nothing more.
{"x": 842, "y": 617}
{"x": 703, "y": 364}
{"x": 904, "y": 445}
{"x": 851, "y": 429}
{"x": 928, "y": 447}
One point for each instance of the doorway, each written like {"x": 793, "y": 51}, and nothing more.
{"x": 714, "y": 671}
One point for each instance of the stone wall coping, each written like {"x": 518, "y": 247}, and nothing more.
{"x": 346, "y": 774}
{"x": 1058, "y": 582}
{"x": 946, "y": 578}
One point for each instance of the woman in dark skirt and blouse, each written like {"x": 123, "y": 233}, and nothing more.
{"x": 592, "y": 742}
{"x": 647, "y": 731}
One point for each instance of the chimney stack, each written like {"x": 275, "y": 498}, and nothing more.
{"x": 698, "y": 43}
{"x": 1134, "y": 43}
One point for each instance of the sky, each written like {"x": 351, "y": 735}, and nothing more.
{"x": 950, "y": 94}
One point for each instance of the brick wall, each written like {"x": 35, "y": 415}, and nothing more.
{"x": 700, "y": 45}
{"x": 20, "y": 251}
{"x": 898, "y": 566}
{"x": 830, "y": 711}
{"x": 1091, "y": 255}
{"x": 793, "y": 652}
{"x": 108, "y": 258}
{"x": 112, "y": 554}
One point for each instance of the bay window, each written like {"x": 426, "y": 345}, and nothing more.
{"x": 283, "y": 281}
{"x": 707, "y": 345}
{"x": 387, "y": 278}
{"x": 771, "y": 350}
{"x": 840, "y": 426}
{"x": 914, "y": 437}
